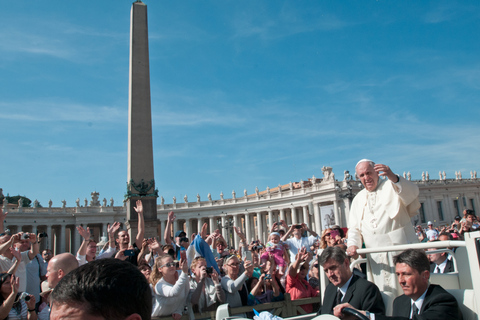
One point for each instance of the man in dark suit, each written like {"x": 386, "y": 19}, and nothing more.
{"x": 344, "y": 286}
{"x": 421, "y": 300}
{"x": 439, "y": 262}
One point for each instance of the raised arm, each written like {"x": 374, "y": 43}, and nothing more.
{"x": 289, "y": 232}
{"x": 305, "y": 227}
{"x": 7, "y": 305}
{"x": 301, "y": 256}
{"x": 4, "y": 246}
{"x": 141, "y": 223}
{"x": 18, "y": 259}
{"x": 111, "y": 229}
{"x": 85, "y": 234}
{"x": 35, "y": 247}
{"x": 168, "y": 229}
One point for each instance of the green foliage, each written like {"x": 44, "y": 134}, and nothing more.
{"x": 25, "y": 201}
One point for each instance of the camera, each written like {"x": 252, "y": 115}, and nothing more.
{"x": 26, "y": 236}
{"x": 298, "y": 226}
{"x": 268, "y": 276}
{"x": 128, "y": 253}
{"x": 43, "y": 234}
{"x": 24, "y": 296}
{"x": 209, "y": 270}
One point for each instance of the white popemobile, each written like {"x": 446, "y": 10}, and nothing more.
{"x": 463, "y": 284}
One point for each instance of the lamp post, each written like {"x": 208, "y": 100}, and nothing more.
{"x": 228, "y": 225}
{"x": 349, "y": 194}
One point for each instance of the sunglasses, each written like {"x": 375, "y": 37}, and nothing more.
{"x": 168, "y": 265}
{"x": 327, "y": 234}
{"x": 233, "y": 264}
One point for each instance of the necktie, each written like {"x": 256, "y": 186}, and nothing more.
{"x": 414, "y": 309}
{"x": 437, "y": 270}
{"x": 339, "y": 297}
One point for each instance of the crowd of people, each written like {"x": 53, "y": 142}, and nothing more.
{"x": 188, "y": 274}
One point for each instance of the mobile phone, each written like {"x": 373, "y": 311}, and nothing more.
{"x": 209, "y": 270}
{"x": 248, "y": 255}
{"x": 128, "y": 253}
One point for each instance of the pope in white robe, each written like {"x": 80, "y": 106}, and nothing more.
{"x": 380, "y": 216}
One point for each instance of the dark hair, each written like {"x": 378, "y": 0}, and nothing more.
{"x": 448, "y": 234}
{"x": 110, "y": 288}
{"x": 335, "y": 253}
{"x": 470, "y": 213}
{"x": 416, "y": 259}
{"x": 3, "y": 277}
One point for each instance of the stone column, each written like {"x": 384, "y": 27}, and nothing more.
{"x": 293, "y": 211}
{"x": 141, "y": 179}
{"x": 248, "y": 224}
{"x": 270, "y": 220}
{"x": 179, "y": 226}
{"x": 104, "y": 231}
{"x": 316, "y": 215}
{"x": 335, "y": 212}
{"x": 163, "y": 224}
{"x": 50, "y": 237}
{"x": 62, "y": 238}
{"x": 237, "y": 223}
{"x": 199, "y": 225}
{"x": 260, "y": 226}
{"x": 189, "y": 228}
{"x": 306, "y": 218}
{"x": 212, "y": 225}
{"x": 282, "y": 216}
{"x": 223, "y": 229}
{"x": 76, "y": 239}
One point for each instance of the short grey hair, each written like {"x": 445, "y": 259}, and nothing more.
{"x": 335, "y": 253}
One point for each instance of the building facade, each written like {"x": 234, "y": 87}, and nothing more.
{"x": 316, "y": 202}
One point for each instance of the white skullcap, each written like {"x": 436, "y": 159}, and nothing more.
{"x": 365, "y": 160}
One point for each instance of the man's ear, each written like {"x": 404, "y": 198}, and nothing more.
{"x": 134, "y": 316}
{"x": 426, "y": 274}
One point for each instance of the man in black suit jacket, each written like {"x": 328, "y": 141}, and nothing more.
{"x": 439, "y": 262}
{"x": 346, "y": 287}
{"x": 421, "y": 300}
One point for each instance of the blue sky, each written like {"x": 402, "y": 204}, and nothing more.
{"x": 244, "y": 93}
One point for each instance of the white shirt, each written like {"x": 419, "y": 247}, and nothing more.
{"x": 440, "y": 266}
{"x": 6, "y": 264}
{"x": 294, "y": 245}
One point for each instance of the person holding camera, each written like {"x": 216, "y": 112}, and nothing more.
{"x": 297, "y": 242}
{"x": 15, "y": 304}
{"x": 205, "y": 288}
{"x": 7, "y": 259}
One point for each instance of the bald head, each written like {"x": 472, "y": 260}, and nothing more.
{"x": 59, "y": 266}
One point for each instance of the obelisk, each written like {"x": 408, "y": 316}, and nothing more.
{"x": 141, "y": 181}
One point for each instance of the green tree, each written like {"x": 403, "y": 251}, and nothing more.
{"x": 25, "y": 201}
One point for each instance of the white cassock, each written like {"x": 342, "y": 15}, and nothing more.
{"x": 382, "y": 218}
